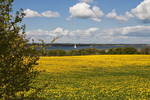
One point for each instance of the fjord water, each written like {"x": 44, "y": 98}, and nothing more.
{"x": 97, "y": 47}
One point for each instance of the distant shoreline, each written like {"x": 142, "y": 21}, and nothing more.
{"x": 67, "y": 46}
{"x": 80, "y": 44}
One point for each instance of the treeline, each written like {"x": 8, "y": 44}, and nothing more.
{"x": 94, "y": 51}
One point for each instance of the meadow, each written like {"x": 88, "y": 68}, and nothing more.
{"x": 95, "y": 77}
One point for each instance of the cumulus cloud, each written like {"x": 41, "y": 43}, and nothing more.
{"x": 37, "y": 33}
{"x": 140, "y": 34}
{"x": 50, "y": 14}
{"x": 142, "y": 11}
{"x": 113, "y": 15}
{"x": 134, "y": 31}
{"x": 133, "y": 34}
{"x": 64, "y": 35}
{"x": 30, "y": 13}
{"x": 137, "y": 31}
{"x": 84, "y": 11}
{"x": 87, "y": 1}
{"x": 60, "y": 32}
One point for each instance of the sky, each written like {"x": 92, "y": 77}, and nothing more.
{"x": 87, "y": 21}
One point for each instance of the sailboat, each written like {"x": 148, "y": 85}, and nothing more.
{"x": 75, "y": 46}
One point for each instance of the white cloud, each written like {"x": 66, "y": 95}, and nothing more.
{"x": 30, "y": 13}
{"x": 60, "y": 32}
{"x": 37, "y": 33}
{"x": 134, "y": 34}
{"x": 129, "y": 15}
{"x": 87, "y": 1}
{"x": 134, "y": 31}
{"x": 140, "y": 34}
{"x": 142, "y": 11}
{"x": 83, "y": 10}
{"x": 113, "y": 15}
{"x": 50, "y": 14}
{"x": 137, "y": 31}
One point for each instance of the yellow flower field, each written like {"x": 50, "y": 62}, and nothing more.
{"x": 79, "y": 63}
{"x": 96, "y": 77}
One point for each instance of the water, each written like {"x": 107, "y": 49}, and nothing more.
{"x": 97, "y": 47}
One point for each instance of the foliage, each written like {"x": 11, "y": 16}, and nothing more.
{"x": 123, "y": 50}
{"x": 72, "y": 53}
{"x": 145, "y": 50}
{"x": 56, "y": 53}
{"x": 102, "y": 52}
{"x": 92, "y": 51}
{"x": 17, "y": 59}
{"x": 88, "y": 51}
{"x": 42, "y": 51}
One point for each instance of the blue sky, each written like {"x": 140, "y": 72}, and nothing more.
{"x": 87, "y": 21}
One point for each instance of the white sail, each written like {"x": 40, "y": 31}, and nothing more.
{"x": 75, "y": 46}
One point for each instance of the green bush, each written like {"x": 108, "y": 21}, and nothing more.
{"x": 102, "y": 52}
{"x": 56, "y": 53}
{"x": 72, "y": 53}
{"x": 130, "y": 50}
{"x": 122, "y": 50}
{"x": 92, "y": 51}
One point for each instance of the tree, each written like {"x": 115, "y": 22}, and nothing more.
{"x": 17, "y": 59}
{"x": 145, "y": 50}
{"x": 72, "y": 53}
{"x": 101, "y": 52}
{"x": 56, "y": 52}
{"x": 130, "y": 50}
{"x": 122, "y": 50}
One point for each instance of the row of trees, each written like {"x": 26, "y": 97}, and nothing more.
{"x": 89, "y": 51}
{"x": 94, "y": 51}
